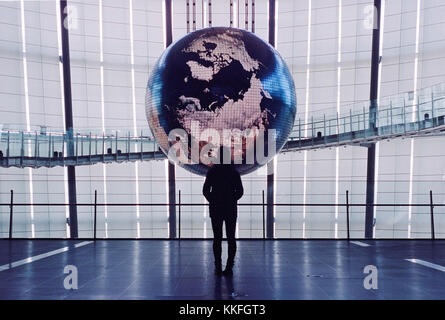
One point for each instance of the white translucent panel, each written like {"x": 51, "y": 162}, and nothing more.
{"x": 352, "y": 178}
{"x": 49, "y": 188}
{"x": 152, "y": 189}
{"x": 220, "y": 13}
{"x": 17, "y": 180}
{"x": 431, "y": 46}
{"x": 179, "y": 19}
{"x": 250, "y": 218}
{"x": 393, "y": 188}
{"x": 320, "y": 189}
{"x": 121, "y": 189}
{"x": 262, "y": 19}
{"x": 194, "y": 218}
{"x": 289, "y": 189}
{"x": 428, "y": 176}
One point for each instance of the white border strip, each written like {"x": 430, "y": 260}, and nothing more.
{"x": 40, "y": 256}
{"x": 81, "y": 244}
{"x": 102, "y": 106}
{"x": 427, "y": 264}
{"x": 27, "y": 111}
{"x": 337, "y": 153}
{"x": 361, "y": 244}
{"x": 413, "y": 117}
{"x": 135, "y": 129}
{"x": 306, "y": 112}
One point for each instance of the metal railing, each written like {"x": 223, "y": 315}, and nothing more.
{"x": 398, "y": 114}
{"x": 179, "y": 205}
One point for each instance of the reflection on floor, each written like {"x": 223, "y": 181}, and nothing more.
{"x": 280, "y": 269}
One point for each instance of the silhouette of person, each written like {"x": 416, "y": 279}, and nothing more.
{"x": 222, "y": 189}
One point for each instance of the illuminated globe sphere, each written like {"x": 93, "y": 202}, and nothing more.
{"x": 221, "y": 79}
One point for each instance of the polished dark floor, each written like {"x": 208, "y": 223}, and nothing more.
{"x": 281, "y": 269}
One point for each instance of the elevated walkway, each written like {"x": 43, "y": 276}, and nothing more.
{"x": 413, "y": 114}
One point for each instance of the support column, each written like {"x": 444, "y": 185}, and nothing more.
{"x": 171, "y": 166}
{"x": 172, "y": 200}
{"x": 270, "y": 166}
{"x": 71, "y": 170}
{"x": 373, "y": 108}
{"x": 270, "y": 220}
{"x": 272, "y": 23}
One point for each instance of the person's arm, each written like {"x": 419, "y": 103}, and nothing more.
{"x": 207, "y": 188}
{"x": 239, "y": 190}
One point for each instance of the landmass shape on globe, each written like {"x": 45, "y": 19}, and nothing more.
{"x": 220, "y": 78}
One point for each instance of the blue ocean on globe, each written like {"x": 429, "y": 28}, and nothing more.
{"x": 220, "y": 78}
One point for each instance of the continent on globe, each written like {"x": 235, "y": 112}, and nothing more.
{"x": 216, "y": 81}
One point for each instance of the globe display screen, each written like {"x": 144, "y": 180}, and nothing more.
{"x": 220, "y": 86}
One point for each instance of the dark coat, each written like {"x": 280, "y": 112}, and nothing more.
{"x": 222, "y": 189}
